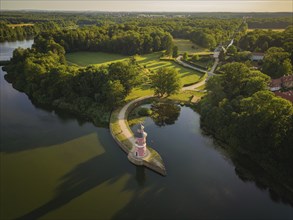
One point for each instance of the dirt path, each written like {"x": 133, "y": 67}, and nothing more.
{"x": 122, "y": 119}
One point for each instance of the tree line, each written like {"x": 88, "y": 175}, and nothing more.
{"x": 13, "y": 33}
{"x": 261, "y": 40}
{"x": 41, "y": 72}
{"x": 241, "y": 112}
{"x": 123, "y": 39}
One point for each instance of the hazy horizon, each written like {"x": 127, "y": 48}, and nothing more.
{"x": 151, "y": 6}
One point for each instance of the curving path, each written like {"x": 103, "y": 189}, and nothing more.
{"x": 152, "y": 159}
{"x": 182, "y": 63}
{"x": 122, "y": 116}
{"x": 155, "y": 162}
{"x": 122, "y": 119}
{"x": 210, "y": 73}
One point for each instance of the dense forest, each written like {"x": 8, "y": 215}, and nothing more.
{"x": 11, "y": 32}
{"x": 261, "y": 40}
{"x": 124, "y": 39}
{"x": 204, "y": 29}
{"x": 241, "y": 112}
{"x": 91, "y": 92}
{"x": 276, "y": 46}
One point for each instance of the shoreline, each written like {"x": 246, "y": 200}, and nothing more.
{"x": 123, "y": 136}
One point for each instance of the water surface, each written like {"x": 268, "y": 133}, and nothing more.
{"x": 56, "y": 167}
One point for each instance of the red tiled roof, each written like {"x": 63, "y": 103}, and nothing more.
{"x": 285, "y": 95}
{"x": 287, "y": 78}
{"x": 278, "y": 82}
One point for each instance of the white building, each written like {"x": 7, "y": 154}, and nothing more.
{"x": 257, "y": 56}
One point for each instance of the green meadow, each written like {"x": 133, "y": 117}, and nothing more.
{"x": 84, "y": 58}
{"x": 264, "y": 29}
{"x": 152, "y": 62}
{"x": 189, "y": 47}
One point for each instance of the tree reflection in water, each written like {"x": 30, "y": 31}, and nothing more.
{"x": 165, "y": 113}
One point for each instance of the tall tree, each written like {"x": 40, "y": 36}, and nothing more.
{"x": 175, "y": 52}
{"x": 166, "y": 81}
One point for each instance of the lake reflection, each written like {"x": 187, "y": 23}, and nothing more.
{"x": 56, "y": 167}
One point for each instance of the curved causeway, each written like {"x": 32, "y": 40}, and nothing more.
{"x": 124, "y": 137}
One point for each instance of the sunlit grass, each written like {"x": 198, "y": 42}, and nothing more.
{"x": 84, "y": 58}
{"x": 20, "y": 25}
{"x": 189, "y": 47}
{"x": 150, "y": 61}
{"x": 186, "y": 96}
{"x": 264, "y": 29}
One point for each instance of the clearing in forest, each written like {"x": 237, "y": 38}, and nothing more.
{"x": 151, "y": 62}
{"x": 185, "y": 45}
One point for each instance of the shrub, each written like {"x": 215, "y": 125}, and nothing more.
{"x": 144, "y": 112}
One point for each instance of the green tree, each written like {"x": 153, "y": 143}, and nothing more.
{"x": 232, "y": 50}
{"x": 168, "y": 45}
{"x": 166, "y": 81}
{"x": 276, "y": 62}
{"x": 125, "y": 72}
{"x": 271, "y": 114}
{"x": 175, "y": 52}
{"x": 195, "y": 58}
{"x": 208, "y": 41}
{"x": 222, "y": 55}
{"x": 114, "y": 92}
{"x": 185, "y": 56}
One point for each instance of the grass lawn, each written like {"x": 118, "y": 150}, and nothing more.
{"x": 139, "y": 91}
{"x": 150, "y": 61}
{"x": 19, "y": 25}
{"x": 189, "y": 47}
{"x": 186, "y": 96}
{"x": 88, "y": 58}
{"x": 264, "y": 29}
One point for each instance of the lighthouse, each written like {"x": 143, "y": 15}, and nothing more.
{"x": 140, "y": 142}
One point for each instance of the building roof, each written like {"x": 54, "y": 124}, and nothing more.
{"x": 276, "y": 82}
{"x": 287, "y": 78}
{"x": 285, "y": 95}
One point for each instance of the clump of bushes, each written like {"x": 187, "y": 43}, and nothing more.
{"x": 144, "y": 112}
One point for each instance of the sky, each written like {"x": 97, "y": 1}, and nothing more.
{"x": 156, "y": 6}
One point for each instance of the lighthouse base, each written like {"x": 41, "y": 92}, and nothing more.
{"x": 152, "y": 160}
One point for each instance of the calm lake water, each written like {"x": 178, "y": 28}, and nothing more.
{"x": 56, "y": 167}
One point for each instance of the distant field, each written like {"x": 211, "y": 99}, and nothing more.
{"x": 88, "y": 58}
{"x": 279, "y": 30}
{"x": 19, "y": 25}
{"x": 189, "y": 47}
{"x": 150, "y": 61}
